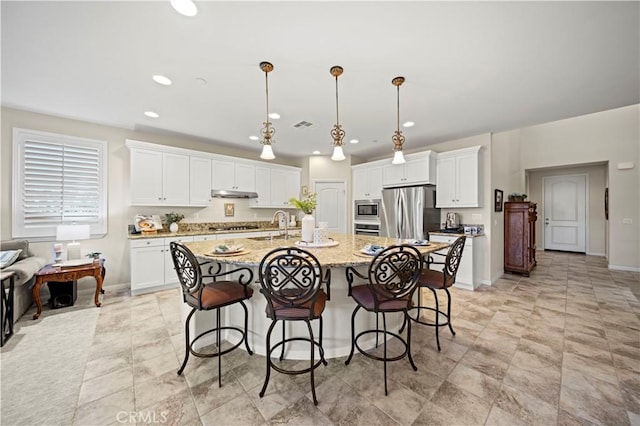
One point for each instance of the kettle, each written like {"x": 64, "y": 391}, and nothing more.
{"x": 453, "y": 221}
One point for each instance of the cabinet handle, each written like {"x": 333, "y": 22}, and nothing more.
{"x": 159, "y": 198}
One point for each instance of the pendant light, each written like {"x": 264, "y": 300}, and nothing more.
{"x": 398, "y": 139}
{"x": 267, "y": 131}
{"x": 337, "y": 133}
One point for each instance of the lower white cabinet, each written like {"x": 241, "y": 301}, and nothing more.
{"x": 151, "y": 264}
{"x": 469, "y": 275}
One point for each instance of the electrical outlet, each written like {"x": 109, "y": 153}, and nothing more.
{"x": 476, "y": 216}
{"x": 627, "y": 220}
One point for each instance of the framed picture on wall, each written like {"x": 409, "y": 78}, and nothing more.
{"x": 497, "y": 200}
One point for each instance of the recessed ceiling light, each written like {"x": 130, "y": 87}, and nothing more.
{"x": 151, "y": 114}
{"x": 161, "y": 79}
{"x": 354, "y": 141}
{"x": 274, "y": 115}
{"x": 408, "y": 124}
{"x": 316, "y": 152}
{"x": 185, "y": 7}
{"x": 254, "y": 138}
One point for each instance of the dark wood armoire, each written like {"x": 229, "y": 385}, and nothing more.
{"x": 519, "y": 237}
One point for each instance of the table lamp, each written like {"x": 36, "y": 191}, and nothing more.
{"x": 73, "y": 233}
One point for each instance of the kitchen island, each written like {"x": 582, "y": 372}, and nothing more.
{"x": 337, "y": 314}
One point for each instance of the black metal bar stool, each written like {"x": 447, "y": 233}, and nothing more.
{"x": 389, "y": 286}
{"x": 215, "y": 294}
{"x": 436, "y": 280}
{"x": 291, "y": 281}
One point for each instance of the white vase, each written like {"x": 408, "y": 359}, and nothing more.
{"x": 173, "y": 227}
{"x": 308, "y": 225}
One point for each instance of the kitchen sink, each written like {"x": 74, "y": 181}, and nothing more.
{"x": 268, "y": 238}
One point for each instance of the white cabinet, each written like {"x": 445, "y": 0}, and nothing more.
{"x": 285, "y": 184}
{"x": 159, "y": 178}
{"x": 233, "y": 176}
{"x": 205, "y": 237}
{"x": 200, "y": 181}
{"x": 367, "y": 181}
{"x": 469, "y": 276}
{"x": 275, "y": 185}
{"x": 419, "y": 169}
{"x": 459, "y": 178}
{"x": 151, "y": 264}
{"x": 146, "y": 256}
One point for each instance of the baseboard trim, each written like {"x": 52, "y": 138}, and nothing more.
{"x": 624, "y": 268}
{"x": 596, "y": 254}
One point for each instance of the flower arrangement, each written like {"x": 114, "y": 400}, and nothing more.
{"x": 307, "y": 204}
{"x": 173, "y": 217}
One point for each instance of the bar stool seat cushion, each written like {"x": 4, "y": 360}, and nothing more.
{"x": 220, "y": 293}
{"x": 298, "y": 312}
{"x": 363, "y": 295}
{"x": 433, "y": 279}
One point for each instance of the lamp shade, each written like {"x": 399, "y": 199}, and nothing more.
{"x": 398, "y": 158}
{"x": 338, "y": 154}
{"x": 267, "y": 153}
{"x": 73, "y": 232}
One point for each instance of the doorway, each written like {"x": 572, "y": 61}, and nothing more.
{"x": 332, "y": 206}
{"x": 565, "y": 218}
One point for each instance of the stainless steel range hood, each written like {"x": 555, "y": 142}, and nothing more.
{"x": 223, "y": 193}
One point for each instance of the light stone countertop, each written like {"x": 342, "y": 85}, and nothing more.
{"x": 449, "y": 234}
{"x": 342, "y": 255}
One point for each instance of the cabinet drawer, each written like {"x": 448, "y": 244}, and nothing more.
{"x": 148, "y": 242}
{"x": 182, "y": 239}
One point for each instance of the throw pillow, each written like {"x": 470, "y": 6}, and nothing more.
{"x": 8, "y": 257}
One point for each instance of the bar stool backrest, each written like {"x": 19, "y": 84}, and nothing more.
{"x": 290, "y": 277}
{"x": 189, "y": 273}
{"x": 452, "y": 261}
{"x": 394, "y": 272}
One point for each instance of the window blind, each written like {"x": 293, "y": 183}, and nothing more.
{"x": 61, "y": 184}
{"x": 62, "y": 181}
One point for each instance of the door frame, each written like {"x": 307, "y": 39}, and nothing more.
{"x": 347, "y": 222}
{"x": 586, "y": 208}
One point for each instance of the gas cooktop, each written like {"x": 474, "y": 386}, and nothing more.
{"x": 453, "y": 230}
{"x": 234, "y": 228}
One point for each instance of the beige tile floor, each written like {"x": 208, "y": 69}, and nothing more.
{"x": 559, "y": 347}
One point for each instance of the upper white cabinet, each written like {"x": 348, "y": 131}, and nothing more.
{"x": 159, "y": 178}
{"x": 419, "y": 169}
{"x": 233, "y": 175}
{"x": 200, "y": 181}
{"x": 367, "y": 180}
{"x": 459, "y": 178}
{"x": 275, "y": 185}
{"x": 166, "y": 175}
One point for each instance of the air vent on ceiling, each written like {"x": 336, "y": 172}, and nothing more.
{"x": 302, "y": 124}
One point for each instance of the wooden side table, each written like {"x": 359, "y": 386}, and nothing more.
{"x": 6, "y": 306}
{"x": 56, "y": 273}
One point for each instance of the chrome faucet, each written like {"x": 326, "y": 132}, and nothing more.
{"x": 285, "y": 215}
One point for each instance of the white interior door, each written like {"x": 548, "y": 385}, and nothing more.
{"x": 331, "y": 206}
{"x": 565, "y": 213}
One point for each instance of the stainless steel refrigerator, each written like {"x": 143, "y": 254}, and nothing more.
{"x": 409, "y": 212}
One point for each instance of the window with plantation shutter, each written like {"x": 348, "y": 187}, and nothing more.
{"x": 58, "y": 180}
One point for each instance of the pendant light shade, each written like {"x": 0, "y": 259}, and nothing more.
{"x": 398, "y": 139}
{"x": 267, "y": 131}
{"x": 338, "y": 154}
{"x": 267, "y": 153}
{"x": 337, "y": 133}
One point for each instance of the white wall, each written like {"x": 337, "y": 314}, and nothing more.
{"x": 611, "y": 137}
{"x": 595, "y": 210}
{"x": 506, "y": 175}
{"x": 115, "y": 245}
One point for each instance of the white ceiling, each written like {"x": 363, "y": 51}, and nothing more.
{"x": 470, "y": 68}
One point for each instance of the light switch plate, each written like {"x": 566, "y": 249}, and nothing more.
{"x": 627, "y": 221}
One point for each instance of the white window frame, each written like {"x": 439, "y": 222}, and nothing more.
{"x": 47, "y": 232}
